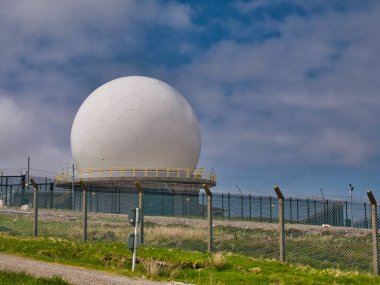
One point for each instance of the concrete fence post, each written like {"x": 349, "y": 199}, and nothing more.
{"x": 281, "y": 221}
{"x": 141, "y": 204}
{"x": 35, "y": 207}
{"x": 375, "y": 233}
{"x": 84, "y": 209}
{"x": 209, "y": 218}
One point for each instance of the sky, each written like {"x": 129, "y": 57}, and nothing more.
{"x": 286, "y": 92}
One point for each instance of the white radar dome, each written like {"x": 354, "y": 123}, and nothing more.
{"x": 135, "y": 122}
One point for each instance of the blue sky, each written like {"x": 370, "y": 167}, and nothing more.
{"x": 287, "y": 92}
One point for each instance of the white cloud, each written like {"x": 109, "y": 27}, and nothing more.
{"x": 309, "y": 96}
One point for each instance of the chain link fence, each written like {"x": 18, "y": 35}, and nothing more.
{"x": 319, "y": 233}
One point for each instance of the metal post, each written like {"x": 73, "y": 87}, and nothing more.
{"x": 315, "y": 212}
{"x": 51, "y": 195}
{"x": 72, "y": 189}
{"x": 241, "y": 206}
{"x": 119, "y": 201}
{"x": 223, "y": 205}
{"x": 280, "y": 197}
{"x": 250, "y": 207}
{"x": 1, "y": 182}
{"x": 209, "y": 217}
{"x": 6, "y": 191}
{"x": 84, "y": 210}
{"x": 28, "y": 181}
{"x": 97, "y": 200}
{"x": 35, "y": 207}
{"x": 46, "y": 187}
{"x": 346, "y": 221}
{"x": 229, "y": 206}
{"x": 352, "y": 213}
{"x": 203, "y": 205}
{"x": 327, "y": 212}
{"x": 10, "y": 195}
{"x": 162, "y": 203}
{"x": 141, "y": 190}
{"x": 375, "y": 234}
{"x": 135, "y": 240}
{"x": 184, "y": 204}
{"x": 23, "y": 182}
{"x": 270, "y": 208}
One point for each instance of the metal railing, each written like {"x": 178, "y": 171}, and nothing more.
{"x": 90, "y": 173}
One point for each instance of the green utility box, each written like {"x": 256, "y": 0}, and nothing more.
{"x": 131, "y": 241}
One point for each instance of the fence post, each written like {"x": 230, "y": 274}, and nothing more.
{"x": 23, "y": 185}
{"x": 250, "y": 207}
{"x": 375, "y": 234}
{"x": 51, "y": 201}
{"x": 209, "y": 217}
{"x": 281, "y": 222}
{"x": 229, "y": 206}
{"x": 35, "y": 206}
{"x": 141, "y": 191}
{"x": 270, "y": 208}
{"x": 6, "y": 191}
{"x": 84, "y": 209}
{"x": 242, "y": 207}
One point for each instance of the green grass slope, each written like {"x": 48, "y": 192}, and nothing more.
{"x": 12, "y": 278}
{"x": 167, "y": 264}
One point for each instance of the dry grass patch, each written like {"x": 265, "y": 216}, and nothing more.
{"x": 173, "y": 233}
{"x": 218, "y": 261}
{"x": 160, "y": 268}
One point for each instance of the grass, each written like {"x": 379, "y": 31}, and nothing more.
{"x": 323, "y": 250}
{"x": 13, "y": 278}
{"x": 170, "y": 264}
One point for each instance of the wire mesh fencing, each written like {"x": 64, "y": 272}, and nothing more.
{"x": 319, "y": 233}
{"x": 316, "y": 235}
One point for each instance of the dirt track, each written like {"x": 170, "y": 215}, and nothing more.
{"x": 73, "y": 275}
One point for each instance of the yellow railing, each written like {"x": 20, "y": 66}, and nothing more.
{"x": 89, "y": 173}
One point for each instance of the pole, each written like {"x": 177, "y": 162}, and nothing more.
{"x": 28, "y": 181}
{"x": 209, "y": 218}
{"x": 280, "y": 197}
{"x": 141, "y": 202}
{"x": 375, "y": 234}
{"x": 241, "y": 207}
{"x": 45, "y": 195}
{"x": 6, "y": 191}
{"x": 51, "y": 196}
{"x": 352, "y": 213}
{"x": 135, "y": 240}
{"x": 23, "y": 182}
{"x": 84, "y": 209}
{"x": 35, "y": 207}
{"x": 10, "y": 195}
{"x": 72, "y": 191}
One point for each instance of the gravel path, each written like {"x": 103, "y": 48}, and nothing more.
{"x": 73, "y": 275}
